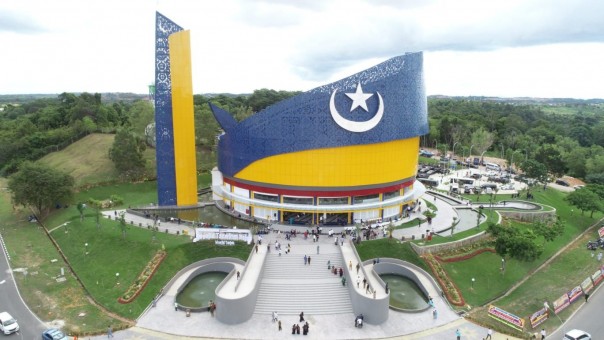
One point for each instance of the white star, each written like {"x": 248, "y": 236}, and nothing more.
{"x": 359, "y": 98}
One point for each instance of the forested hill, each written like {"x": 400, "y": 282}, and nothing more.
{"x": 565, "y": 136}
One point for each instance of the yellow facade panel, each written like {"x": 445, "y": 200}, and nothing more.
{"x": 356, "y": 165}
{"x": 185, "y": 162}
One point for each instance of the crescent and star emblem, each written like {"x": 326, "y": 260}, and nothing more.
{"x": 359, "y": 98}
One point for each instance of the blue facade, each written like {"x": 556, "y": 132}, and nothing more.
{"x": 164, "y": 131}
{"x": 306, "y": 122}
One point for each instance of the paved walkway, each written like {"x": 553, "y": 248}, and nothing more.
{"x": 162, "y": 322}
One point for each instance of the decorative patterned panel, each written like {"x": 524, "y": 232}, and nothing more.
{"x": 313, "y": 120}
{"x": 164, "y": 132}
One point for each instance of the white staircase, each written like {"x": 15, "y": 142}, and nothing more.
{"x": 290, "y": 287}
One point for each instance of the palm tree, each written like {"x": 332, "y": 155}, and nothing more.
{"x": 454, "y": 224}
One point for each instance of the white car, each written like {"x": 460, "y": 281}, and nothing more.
{"x": 8, "y": 325}
{"x": 576, "y": 334}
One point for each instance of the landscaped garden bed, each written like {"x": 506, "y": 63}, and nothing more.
{"x": 141, "y": 281}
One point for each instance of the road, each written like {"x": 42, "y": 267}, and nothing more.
{"x": 588, "y": 318}
{"x": 10, "y": 301}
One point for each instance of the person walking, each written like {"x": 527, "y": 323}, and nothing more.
{"x": 489, "y": 334}
{"x": 305, "y": 260}
{"x": 458, "y": 334}
{"x": 317, "y": 250}
{"x": 359, "y": 281}
{"x": 301, "y": 316}
{"x": 350, "y": 265}
{"x": 309, "y": 260}
{"x": 238, "y": 275}
{"x": 279, "y": 322}
{"x": 543, "y": 333}
{"x": 109, "y": 332}
{"x": 435, "y": 314}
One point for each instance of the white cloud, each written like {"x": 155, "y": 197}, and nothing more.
{"x": 472, "y": 47}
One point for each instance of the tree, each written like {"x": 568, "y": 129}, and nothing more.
{"x": 81, "y": 206}
{"x": 518, "y": 244}
{"x": 123, "y": 225}
{"x": 40, "y": 187}
{"x": 534, "y": 169}
{"x": 482, "y": 140}
{"x": 454, "y": 224}
{"x": 127, "y": 154}
{"x": 549, "y": 231}
{"x": 585, "y": 200}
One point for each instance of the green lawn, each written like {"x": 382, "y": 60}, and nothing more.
{"x": 110, "y": 253}
{"x": 386, "y": 247}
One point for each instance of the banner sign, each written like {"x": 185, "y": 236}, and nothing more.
{"x": 575, "y": 293}
{"x": 561, "y": 303}
{"x": 224, "y": 243}
{"x": 539, "y": 317}
{"x": 587, "y": 285}
{"x": 505, "y": 317}
{"x": 597, "y": 277}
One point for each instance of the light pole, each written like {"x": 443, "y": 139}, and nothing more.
{"x": 473, "y": 283}
{"x": 117, "y": 278}
{"x": 512, "y": 161}
{"x": 436, "y": 145}
{"x": 86, "y": 247}
{"x": 502, "y": 151}
{"x": 454, "y": 148}
{"x": 470, "y": 155}
{"x": 463, "y": 155}
{"x": 481, "y": 155}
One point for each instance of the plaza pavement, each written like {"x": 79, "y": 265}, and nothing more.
{"x": 162, "y": 322}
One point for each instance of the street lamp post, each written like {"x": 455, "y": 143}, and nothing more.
{"x": 481, "y": 155}
{"x": 117, "y": 278}
{"x": 502, "y": 151}
{"x": 463, "y": 155}
{"x": 473, "y": 282}
{"x": 470, "y": 155}
{"x": 86, "y": 247}
{"x": 454, "y": 148}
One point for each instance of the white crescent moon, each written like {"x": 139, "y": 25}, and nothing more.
{"x": 352, "y": 125}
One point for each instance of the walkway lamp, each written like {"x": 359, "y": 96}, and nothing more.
{"x": 470, "y": 154}
{"x": 473, "y": 282}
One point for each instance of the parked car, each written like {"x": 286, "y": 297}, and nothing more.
{"x": 53, "y": 334}
{"x": 425, "y": 153}
{"x": 507, "y": 187}
{"x": 576, "y": 334}
{"x": 8, "y": 325}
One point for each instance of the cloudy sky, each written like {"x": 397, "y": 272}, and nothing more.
{"x": 505, "y": 48}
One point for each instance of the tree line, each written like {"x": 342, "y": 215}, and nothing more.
{"x": 548, "y": 136}
{"x": 536, "y": 138}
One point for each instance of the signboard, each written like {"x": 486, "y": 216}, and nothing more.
{"x": 224, "y": 243}
{"x": 597, "y": 277}
{"x": 505, "y": 317}
{"x": 587, "y": 285}
{"x": 561, "y": 303}
{"x": 539, "y": 317}
{"x": 574, "y": 294}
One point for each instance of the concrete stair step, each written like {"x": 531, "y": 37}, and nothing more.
{"x": 288, "y": 286}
